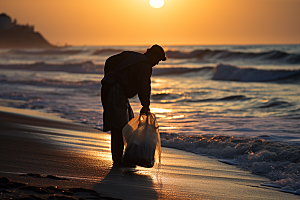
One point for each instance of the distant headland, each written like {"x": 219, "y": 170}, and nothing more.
{"x": 13, "y": 35}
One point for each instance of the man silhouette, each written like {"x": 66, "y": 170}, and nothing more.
{"x": 125, "y": 75}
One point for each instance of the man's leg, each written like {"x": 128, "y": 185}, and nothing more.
{"x": 104, "y": 95}
{"x": 117, "y": 145}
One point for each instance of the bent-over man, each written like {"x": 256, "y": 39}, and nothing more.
{"x": 125, "y": 75}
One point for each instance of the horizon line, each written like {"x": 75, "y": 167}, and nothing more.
{"x": 145, "y": 45}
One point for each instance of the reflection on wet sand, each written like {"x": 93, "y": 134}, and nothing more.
{"x": 127, "y": 183}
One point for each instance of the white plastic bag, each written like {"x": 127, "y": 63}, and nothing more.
{"x": 142, "y": 141}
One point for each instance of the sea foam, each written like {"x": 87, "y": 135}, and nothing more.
{"x": 277, "y": 161}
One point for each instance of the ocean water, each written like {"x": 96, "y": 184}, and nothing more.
{"x": 240, "y": 104}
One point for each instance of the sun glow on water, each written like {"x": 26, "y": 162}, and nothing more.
{"x": 160, "y": 110}
{"x": 167, "y": 128}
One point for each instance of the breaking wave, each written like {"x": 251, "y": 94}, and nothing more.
{"x": 90, "y": 67}
{"x": 233, "y": 73}
{"x": 277, "y": 161}
{"x": 224, "y": 55}
{"x": 82, "y": 67}
{"x": 220, "y": 72}
{"x": 53, "y": 82}
{"x": 202, "y": 55}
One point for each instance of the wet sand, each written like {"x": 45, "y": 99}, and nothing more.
{"x": 46, "y": 157}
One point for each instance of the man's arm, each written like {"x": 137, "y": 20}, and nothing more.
{"x": 144, "y": 87}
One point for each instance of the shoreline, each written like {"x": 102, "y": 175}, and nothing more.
{"x": 57, "y": 153}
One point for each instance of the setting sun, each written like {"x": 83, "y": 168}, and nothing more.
{"x": 185, "y": 22}
{"x": 156, "y": 3}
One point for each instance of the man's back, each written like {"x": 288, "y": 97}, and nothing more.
{"x": 123, "y": 60}
{"x": 132, "y": 71}
{"x": 136, "y": 79}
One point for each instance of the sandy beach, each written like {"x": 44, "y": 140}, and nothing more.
{"x": 47, "y": 157}
{"x": 221, "y": 77}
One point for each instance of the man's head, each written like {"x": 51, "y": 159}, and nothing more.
{"x": 156, "y": 53}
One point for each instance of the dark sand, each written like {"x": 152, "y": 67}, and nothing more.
{"x": 45, "y": 157}
{"x": 27, "y": 156}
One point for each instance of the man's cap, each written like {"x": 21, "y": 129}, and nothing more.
{"x": 159, "y": 51}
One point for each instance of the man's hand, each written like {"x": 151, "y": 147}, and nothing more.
{"x": 145, "y": 110}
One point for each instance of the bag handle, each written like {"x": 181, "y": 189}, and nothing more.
{"x": 156, "y": 127}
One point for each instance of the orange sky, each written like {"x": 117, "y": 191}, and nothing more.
{"x": 178, "y": 22}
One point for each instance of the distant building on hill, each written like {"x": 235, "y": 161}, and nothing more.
{"x": 7, "y": 24}
{"x": 13, "y": 35}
